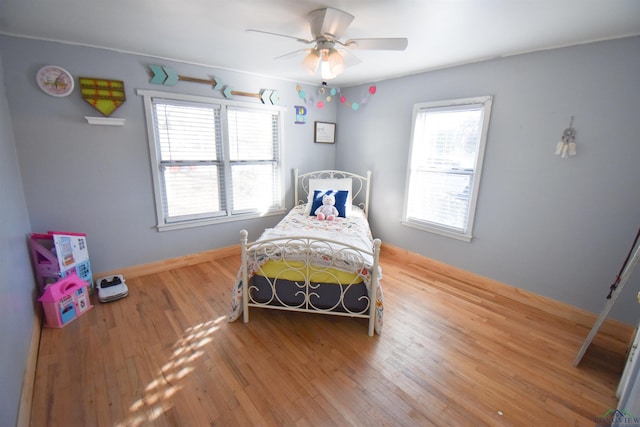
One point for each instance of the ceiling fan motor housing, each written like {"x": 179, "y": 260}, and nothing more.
{"x": 329, "y": 24}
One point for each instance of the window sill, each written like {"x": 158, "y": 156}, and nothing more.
{"x": 438, "y": 230}
{"x": 217, "y": 220}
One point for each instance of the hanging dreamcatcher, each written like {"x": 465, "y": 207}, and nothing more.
{"x": 567, "y": 145}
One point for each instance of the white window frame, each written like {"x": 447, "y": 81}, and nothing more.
{"x": 466, "y": 232}
{"x": 227, "y": 215}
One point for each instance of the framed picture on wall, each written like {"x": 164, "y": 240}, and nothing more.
{"x": 325, "y": 132}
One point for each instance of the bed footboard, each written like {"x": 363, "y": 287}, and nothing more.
{"x": 312, "y": 275}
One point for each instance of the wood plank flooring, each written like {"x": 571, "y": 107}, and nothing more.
{"x": 452, "y": 352}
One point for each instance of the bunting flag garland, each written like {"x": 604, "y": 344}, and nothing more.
{"x": 327, "y": 95}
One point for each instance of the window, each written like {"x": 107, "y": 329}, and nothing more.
{"x": 445, "y": 161}
{"x": 213, "y": 160}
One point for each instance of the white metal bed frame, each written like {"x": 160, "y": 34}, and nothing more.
{"x": 361, "y": 185}
{"x": 332, "y": 252}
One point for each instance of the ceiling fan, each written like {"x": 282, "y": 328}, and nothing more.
{"x": 330, "y": 53}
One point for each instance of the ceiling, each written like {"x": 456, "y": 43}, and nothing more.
{"x": 441, "y": 33}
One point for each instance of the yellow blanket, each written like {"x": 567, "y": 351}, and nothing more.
{"x": 295, "y": 271}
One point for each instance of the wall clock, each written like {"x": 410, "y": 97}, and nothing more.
{"x": 54, "y": 80}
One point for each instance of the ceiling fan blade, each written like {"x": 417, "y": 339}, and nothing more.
{"x": 329, "y": 23}
{"x": 294, "y": 53}
{"x": 377, "y": 44}
{"x": 282, "y": 35}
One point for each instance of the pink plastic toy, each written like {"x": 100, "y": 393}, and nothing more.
{"x": 65, "y": 300}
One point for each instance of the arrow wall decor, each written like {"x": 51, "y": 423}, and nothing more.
{"x": 163, "y": 75}
{"x": 267, "y": 96}
{"x": 167, "y": 76}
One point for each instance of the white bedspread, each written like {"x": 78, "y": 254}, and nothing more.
{"x": 353, "y": 230}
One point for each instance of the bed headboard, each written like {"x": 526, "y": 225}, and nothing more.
{"x": 360, "y": 186}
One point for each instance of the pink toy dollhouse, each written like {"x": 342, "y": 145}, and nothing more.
{"x": 65, "y": 300}
{"x": 57, "y": 254}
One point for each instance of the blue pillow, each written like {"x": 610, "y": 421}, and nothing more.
{"x": 341, "y": 201}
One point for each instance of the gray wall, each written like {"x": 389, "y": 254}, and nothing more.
{"x": 97, "y": 179}
{"x": 558, "y": 227}
{"x": 16, "y": 279}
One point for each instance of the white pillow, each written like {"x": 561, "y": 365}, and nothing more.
{"x": 329, "y": 184}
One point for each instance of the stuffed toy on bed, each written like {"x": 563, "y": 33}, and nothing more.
{"x": 327, "y": 211}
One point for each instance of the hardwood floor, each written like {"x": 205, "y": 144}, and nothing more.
{"x": 452, "y": 352}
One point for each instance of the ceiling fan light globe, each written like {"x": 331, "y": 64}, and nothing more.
{"x": 336, "y": 63}
{"x": 325, "y": 71}
{"x": 311, "y": 62}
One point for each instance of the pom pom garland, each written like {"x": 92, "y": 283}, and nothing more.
{"x": 326, "y": 95}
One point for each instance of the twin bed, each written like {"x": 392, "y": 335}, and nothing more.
{"x": 310, "y": 265}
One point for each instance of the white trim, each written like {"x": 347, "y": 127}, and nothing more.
{"x": 206, "y": 99}
{"x": 437, "y": 230}
{"x": 154, "y": 156}
{"x": 216, "y": 220}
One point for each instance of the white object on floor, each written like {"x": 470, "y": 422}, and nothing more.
{"x": 111, "y": 288}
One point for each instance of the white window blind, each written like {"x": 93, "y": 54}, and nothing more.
{"x": 254, "y": 158}
{"x": 190, "y": 160}
{"x": 445, "y": 161}
{"x": 213, "y": 161}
